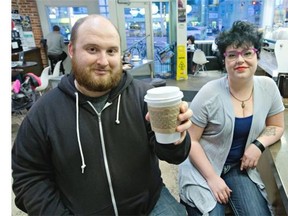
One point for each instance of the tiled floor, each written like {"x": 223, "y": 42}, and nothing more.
{"x": 194, "y": 83}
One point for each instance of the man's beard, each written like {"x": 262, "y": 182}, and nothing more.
{"x": 86, "y": 78}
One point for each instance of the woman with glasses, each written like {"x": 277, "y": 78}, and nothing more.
{"x": 234, "y": 119}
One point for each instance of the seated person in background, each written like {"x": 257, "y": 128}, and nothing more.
{"x": 55, "y": 46}
{"x": 234, "y": 119}
{"x": 191, "y": 43}
{"x": 190, "y": 49}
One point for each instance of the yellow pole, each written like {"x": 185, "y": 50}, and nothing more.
{"x": 181, "y": 61}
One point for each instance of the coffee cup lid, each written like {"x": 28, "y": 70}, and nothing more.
{"x": 164, "y": 93}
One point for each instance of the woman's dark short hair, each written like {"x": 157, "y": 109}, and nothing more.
{"x": 241, "y": 34}
{"x": 191, "y": 38}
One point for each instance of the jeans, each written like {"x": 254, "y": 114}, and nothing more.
{"x": 167, "y": 205}
{"x": 246, "y": 198}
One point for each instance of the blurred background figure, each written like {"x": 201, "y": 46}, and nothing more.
{"x": 55, "y": 46}
{"x": 191, "y": 47}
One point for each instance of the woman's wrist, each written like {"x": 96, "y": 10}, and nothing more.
{"x": 259, "y": 145}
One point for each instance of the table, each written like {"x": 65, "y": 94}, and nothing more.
{"x": 140, "y": 64}
{"x": 31, "y": 54}
{"x": 18, "y": 64}
{"x": 18, "y": 69}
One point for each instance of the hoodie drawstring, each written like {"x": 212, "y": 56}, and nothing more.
{"x": 78, "y": 133}
{"x": 117, "y": 121}
{"x": 113, "y": 199}
{"x": 118, "y": 110}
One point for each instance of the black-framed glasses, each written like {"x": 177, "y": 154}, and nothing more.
{"x": 246, "y": 54}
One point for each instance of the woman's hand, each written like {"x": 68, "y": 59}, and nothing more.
{"x": 219, "y": 188}
{"x": 250, "y": 157}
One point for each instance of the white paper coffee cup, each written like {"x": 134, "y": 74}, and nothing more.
{"x": 164, "y": 108}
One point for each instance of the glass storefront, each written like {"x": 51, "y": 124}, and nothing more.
{"x": 136, "y": 33}
{"x": 65, "y": 17}
{"x": 205, "y": 18}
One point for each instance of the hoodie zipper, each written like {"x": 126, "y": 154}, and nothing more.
{"x": 105, "y": 157}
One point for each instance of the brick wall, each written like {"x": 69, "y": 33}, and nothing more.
{"x": 29, "y": 8}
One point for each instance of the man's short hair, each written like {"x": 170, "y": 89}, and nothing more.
{"x": 56, "y": 28}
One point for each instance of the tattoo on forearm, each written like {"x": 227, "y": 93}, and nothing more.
{"x": 269, "y": 131}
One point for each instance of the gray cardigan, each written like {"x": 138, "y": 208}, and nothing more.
{"x": 212, "y": 109}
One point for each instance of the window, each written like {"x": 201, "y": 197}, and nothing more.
{"x": 103, "y": 8}
{"x": 206, "y": 18}
{"x": 65, "y": 17}
{"x": 281, "y": 12}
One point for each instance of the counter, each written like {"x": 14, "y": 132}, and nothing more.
{"x": 139, "y": 65}
{"x": 273, "y": 163}
{"x": 268, "y": 63}
{"x": 278, "y": 157}
{"x": 273, "y": 170}
{"x": 274, "y": 61}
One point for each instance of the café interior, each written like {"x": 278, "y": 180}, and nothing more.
{"x": 149, "y": 42}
